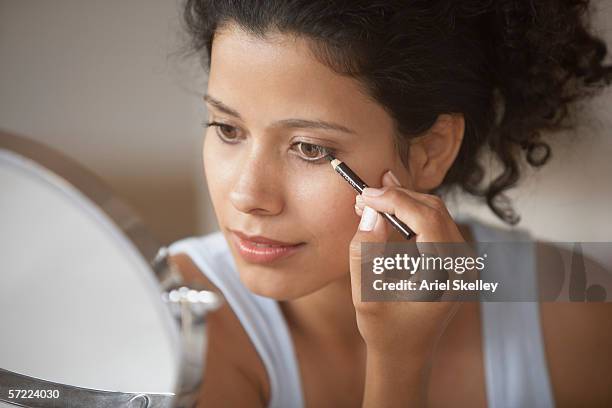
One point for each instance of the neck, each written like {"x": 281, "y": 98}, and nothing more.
{"x": 326, "y": 316}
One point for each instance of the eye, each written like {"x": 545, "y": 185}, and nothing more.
{"x": 227, "y": 133}
{"x": 311, "y": 152}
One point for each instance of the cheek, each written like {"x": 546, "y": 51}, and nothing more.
{"x": 337, "y": 225}
{"x": 216, "y": 171}
{"x": 332, "y": 218}
{"x": 327, "y": 215}
{"x": 324, "y": 199}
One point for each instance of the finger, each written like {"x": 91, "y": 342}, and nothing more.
{"x": 431, "y": 200}
{"x": 359, "y": 202}
{"x": 372, "y": 230}
{"x": 419, "y": 216}
{"x": 358, "y": 210}
{"x": 389, "y": 179}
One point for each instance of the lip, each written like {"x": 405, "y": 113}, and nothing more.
{"x": 259, "y": 249}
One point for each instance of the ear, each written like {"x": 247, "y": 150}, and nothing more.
{"x": 432, "y": 154}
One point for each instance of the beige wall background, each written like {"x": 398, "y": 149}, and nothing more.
{"x": 101, "y": 82}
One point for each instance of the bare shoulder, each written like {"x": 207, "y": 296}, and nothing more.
{"x": 577, "y": 335}
{"x": 234, "y": 373}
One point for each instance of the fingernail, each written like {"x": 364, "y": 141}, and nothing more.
{"x": 359, "y": 201}
{"x": 368, "y": 219}
{"x": 393, "y": 178}
{"x": 372, "y": 192}
{"x": 358, "y": 210}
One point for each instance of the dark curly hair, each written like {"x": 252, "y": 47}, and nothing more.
{"x": 512, "y": 68}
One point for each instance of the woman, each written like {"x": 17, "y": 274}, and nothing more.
{"x": 410, "y": 94}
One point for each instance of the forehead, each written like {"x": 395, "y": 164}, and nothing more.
{"x": 277, "y": 76}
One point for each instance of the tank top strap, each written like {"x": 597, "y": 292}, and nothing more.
{"x": 516, "y": 373}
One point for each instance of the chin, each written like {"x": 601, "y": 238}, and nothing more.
{"x": 266, "y": 282}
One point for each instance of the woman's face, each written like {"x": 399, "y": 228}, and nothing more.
{"x": 275, "y": 101}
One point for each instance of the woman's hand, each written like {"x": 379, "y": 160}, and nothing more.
{"x": 399, "y": 335}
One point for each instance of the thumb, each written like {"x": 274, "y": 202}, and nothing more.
{"x": 372, "y": 229}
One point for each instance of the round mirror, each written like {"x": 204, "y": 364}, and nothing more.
{"x": 84, "y": 304}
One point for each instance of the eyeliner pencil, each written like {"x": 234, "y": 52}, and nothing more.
{"x": 358, "y": 184}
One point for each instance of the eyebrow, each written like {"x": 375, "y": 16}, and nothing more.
{"x": 291, "y": 123}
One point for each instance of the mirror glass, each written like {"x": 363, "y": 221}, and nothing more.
{"x": 79, "y": 304}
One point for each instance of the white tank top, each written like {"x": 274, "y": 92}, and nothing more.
{"x": 514, "y": 361}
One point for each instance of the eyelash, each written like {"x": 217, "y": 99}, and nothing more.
{"x": 324, "y": 151}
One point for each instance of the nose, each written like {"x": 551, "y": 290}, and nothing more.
{"x": 257, "y": 189}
